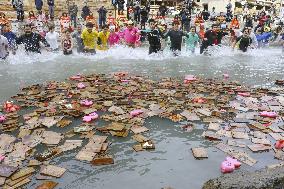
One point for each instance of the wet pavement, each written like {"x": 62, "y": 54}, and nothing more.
{"x": 172, "y": 163}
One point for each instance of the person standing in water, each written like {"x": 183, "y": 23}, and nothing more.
{"x": 243, "y": 42}
{"x": 89, "y": 37}
{"x": 31, "y": 40}
{"x": 4, "y": 46}
{"x": 192, "y": 40}
{"x": 210, "y": 38}
{"x": 131, "y": 34}
{"x": 175, "y": 35}
{"x": 77, "y": 35}
{"x": 154, "y": 36}
{"x": 103, "y": 38}
{"x": 113, "y": 38}
{"x": 66, "y": 43}
{"x": 52, "y": 38}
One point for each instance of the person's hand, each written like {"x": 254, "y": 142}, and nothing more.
{"x": 205, "y": 39}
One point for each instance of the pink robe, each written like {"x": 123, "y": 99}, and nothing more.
{"x": 130, "y": 36}
{"x": 113, "y": 39}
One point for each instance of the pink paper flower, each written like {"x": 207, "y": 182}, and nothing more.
{"x": 81, "y": 86}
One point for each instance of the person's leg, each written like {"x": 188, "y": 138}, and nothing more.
{"x": 18, "y": 15}
{"x": 202, "y": 48}
{"x": 72, "y": 19}
{"x": 51, "y": 11}
{"x": 75, "y": 21}
{"x": 22, "y": 15}
{"x": 104, "y": 21}
{"x": 100, "y": 22}
{"x": 150, "y": 50}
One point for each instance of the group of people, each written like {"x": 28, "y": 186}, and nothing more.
{"x": 89, "y": 36}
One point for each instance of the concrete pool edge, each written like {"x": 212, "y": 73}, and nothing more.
{"x": 268, "y": 178}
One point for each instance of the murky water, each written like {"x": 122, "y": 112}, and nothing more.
{"x": 172, "y": 163}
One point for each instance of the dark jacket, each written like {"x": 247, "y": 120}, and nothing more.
{"x": 50, "y": 2}
{"x": 102, "y": 13}
{"x": 176, "y": 38}
{"x": 32, "y": 42}
{"x": 38, "y": 4}
{"x": 154, "y": 37}
{"x": 85, "y": 12}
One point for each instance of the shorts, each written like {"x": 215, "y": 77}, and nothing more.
{"x": 65, "y": 52}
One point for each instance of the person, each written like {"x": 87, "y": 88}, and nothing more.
{"x": 249, "y": 21}
{"x": 221, "y": 32}
{"x": 205, "y": 15}
{"x": 32, "y": 18}
{"x": 175, "y": 37}
{"x": 3, "y": 20}
{"x": 229, "y": 7}
{"x": 131, "y": 34}
{"x": 85, "y": 11}
{"x": 253, "y": 37}
{"x": 77, "y": 35}
{"x": 213, "y": 14}
{"x": 19, "y": 7}
{"x": 192, "y": 40}
{"x": 154, "y": 36}
{"x": 73, "y": 11}
{"x": 52, "y": 38}
{"x": 243, "y": 42}
{"x": 162, "y": 10}
{"x": 187, "y": 23}
{"x": 148, "y": 5}
{"x": 31, "y": 40}
{"x": 66, "y": 43}
{"x": 137, "y": 13}
{"x": 38, "y": 4}
{"x": 11, "y": 37}
{"x": 103, "y": 38}
{"x": 235, "y": 23}
{"x": 111, "y": 20}
{"x": 144, "y": 17}
{"x": 102, "y": 16}
{"x": 50, "y": 4}
{"x": 120, "y": 5}
{"x": 198, "y": 19}
{"x": 65, "y": 22}
{"x": 4, "y": 47}
{"x": 130, "y": 13}
{"x": 92, "y": 19}
{"x": 113, "y": 38}
{"x": 210, "y": 38}
{"x": 89, "y": 37}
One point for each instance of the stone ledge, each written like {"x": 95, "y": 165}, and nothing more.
{"x": 262, "y": 179}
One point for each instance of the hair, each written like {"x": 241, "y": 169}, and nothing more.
{"x": 51, "y": 27}
{"x": 245, "y": 30}
{"x": 215, "y": 25}
{"x": 193, "y": 27}
{"x": 28, "y": 26}
{"x": 175, "y": 22}
{"x": 89, "y": 24}
{"x": 151, "y": 20}
{"x": 67, "y": 30}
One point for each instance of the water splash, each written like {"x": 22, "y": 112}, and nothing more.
{"x": 141, "y": 53}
